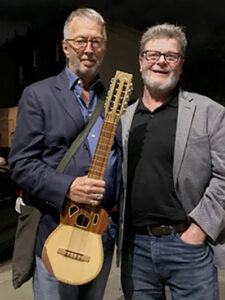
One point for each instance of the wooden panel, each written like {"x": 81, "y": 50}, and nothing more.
{"x": 7, "y": 125}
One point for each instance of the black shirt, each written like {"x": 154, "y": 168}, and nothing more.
{"x": 151, "y": 196}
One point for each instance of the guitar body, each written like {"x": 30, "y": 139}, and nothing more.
{"x": 73, "y": 252}
{"x": 71, "y": 270}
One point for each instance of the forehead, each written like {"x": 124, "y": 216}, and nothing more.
{"x": 163, "y": 45}
{"x": 85, "y": 27}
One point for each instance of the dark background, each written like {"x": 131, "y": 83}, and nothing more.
{"x": 29, "y": 24}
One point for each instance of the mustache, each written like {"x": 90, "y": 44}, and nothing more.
{"x": 88, "y": 56}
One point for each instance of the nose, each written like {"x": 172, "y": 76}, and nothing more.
{"x": 162, "y": 58}
{"x": 89, "y": 47}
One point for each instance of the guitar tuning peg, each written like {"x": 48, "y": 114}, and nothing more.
{"x": 106, "y": 99}
{"x": 130, "y": 92}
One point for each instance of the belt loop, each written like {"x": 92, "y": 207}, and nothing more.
{"x": 149, "y": 230}
{"x": 173, "y": 231}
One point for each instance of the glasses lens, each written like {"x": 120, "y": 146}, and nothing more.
{"x": 152, "y": 55}
{"x": 96, "y": 43}
{"x": 80, "y": 43}
{"x": 172, "y": 57}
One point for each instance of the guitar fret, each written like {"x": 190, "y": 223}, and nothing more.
{"x": 107, "y": 134}
{"x": 97, "y": 175}
{"x": 100, "y": 160}
{"x": 104, "y": 145}
{"x": 98, "y": 172}
{"x": 98, "y": 168}
{"x": 101, "y": 152}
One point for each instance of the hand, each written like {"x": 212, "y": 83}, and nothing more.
{"x": 194, "y": 235}
{"x": 86, "y": 191}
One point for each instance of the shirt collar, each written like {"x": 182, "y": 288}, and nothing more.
{"x": 172, "y": 101}
{"x": 74, "y": 80}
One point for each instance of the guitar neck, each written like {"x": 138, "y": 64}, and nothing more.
{"x": 115, "y": 106}
{"x": 104, "y": 145}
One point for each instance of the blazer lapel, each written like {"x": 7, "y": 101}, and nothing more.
{"x": 126, "y": 125}
{"x": 67, "y": 100}
{"x": 186, "y": 109}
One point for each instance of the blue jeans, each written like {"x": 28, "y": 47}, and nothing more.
{"x": 150, "y": 263}
{"x": 46, "y": 287}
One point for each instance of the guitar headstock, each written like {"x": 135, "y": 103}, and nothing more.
{"x": 118, "y": 95}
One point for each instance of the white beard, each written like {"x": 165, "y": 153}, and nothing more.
{"x": 160, "y": 87}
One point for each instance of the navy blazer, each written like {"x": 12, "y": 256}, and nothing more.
{"x": 48, "y": 121}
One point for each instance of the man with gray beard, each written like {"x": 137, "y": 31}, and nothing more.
{"x": 174, "y": 180}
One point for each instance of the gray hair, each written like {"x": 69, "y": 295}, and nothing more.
{"x": 83, "y": 13}
{"x": 164, "y": 30}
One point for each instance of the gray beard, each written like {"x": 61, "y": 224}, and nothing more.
{"x": 160, "y": 87}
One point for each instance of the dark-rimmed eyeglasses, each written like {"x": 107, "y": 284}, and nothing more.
{"x": 153, "y": 56}
{"x": 81, "y": 43}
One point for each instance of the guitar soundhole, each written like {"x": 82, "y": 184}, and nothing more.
{"x": 95, "y": 221}
{"x": 82, "y": 221}
{"x": 72, "y": 210}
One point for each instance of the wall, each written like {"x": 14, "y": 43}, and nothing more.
{"x": 122, "y": 54}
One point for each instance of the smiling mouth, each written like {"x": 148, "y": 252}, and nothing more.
{"x": 161, "y": 72}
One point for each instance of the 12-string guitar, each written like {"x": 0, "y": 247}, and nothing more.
{"x": 73, "y": 252}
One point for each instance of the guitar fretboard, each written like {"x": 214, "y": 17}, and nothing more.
{"x": 100, "y": 159}
{"x": 118, "y": 94}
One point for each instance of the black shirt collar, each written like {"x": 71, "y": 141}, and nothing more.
{"x": 171, "y": 101}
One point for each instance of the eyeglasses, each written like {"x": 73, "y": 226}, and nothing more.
{"x": 154, "y": 56}
{"x": 81, "y": 43}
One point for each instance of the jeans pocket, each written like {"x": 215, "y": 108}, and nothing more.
{"x": 179, "y": 239}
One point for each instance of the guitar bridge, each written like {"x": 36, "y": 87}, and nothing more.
{"x": 73, "y": 255}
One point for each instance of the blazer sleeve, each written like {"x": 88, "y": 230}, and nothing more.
{"x": 210, "y": 211}
{"x": 31, "y": 167}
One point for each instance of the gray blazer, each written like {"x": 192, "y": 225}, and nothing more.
{"x": 199, "y": 166}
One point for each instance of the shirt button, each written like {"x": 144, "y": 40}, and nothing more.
{"x": 79, "y": 82}
{"x": 93, "y": 135}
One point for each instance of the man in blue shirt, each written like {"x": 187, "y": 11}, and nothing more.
{"x": 51, "y": 114}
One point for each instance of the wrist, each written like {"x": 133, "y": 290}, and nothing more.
{"x": 197, "y": 231}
